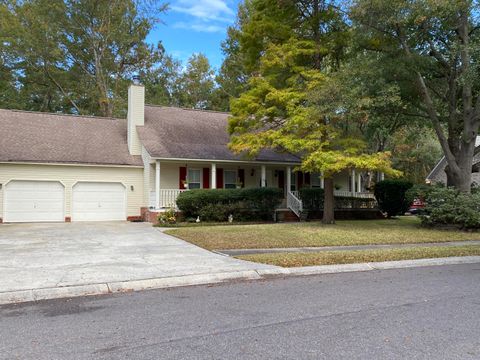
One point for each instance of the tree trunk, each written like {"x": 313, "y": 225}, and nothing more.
{"x": 460, "y": 176}
{"x": 461, "y": 179}
{"x": 328, "y": 203}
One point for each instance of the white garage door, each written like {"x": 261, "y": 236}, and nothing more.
{"x": 97, "y": 201}
{"x": 34, "y": 201}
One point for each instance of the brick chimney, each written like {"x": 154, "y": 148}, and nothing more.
{"x": 136, "y": 116}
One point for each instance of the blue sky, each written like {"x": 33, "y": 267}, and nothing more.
{"x": 193, "y": 26}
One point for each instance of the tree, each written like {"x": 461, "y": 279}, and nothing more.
{"x": 81, "y": 55}
{"x": 386, "y": 122}
{"x": 163, "y": 82}
{"x": 231, "y": 79}
{"x": 415, "y": 151}
{"x": 197, "y": 83}
{"x": 434, "y": 45}
{"x": 294, "y": 101}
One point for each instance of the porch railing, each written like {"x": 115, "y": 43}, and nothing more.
{"x": 294, "y": 203}
{"x": 168, "y": 198}
{"x": 360, "y": 195}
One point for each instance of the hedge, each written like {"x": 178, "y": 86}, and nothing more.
{"x": 218, "y": 204}
{"x": 391, "y": 196}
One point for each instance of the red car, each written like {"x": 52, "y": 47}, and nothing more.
{"x": 417, "y": 206}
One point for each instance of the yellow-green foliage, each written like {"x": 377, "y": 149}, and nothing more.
{"x": 292, "y": 105}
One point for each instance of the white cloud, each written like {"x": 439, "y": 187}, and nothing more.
{"x": 205, "y": 10}
{"x": 200, "y": 27}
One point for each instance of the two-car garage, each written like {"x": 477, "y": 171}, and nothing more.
{"x": 58, "y": 193}
{"x": 44, "y": 201}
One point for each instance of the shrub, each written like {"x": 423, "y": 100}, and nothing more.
{"x": 312, "y": 199}
{"x": 448, "y": 206}
{"x": 390, "y": 195}
{"x": 217, "y": 204}
{"x": 168, "y": 217}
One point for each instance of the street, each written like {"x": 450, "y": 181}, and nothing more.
{"x": 415, "y": 313}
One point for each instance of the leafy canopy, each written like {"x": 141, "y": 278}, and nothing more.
{"x": 294, "y": 104}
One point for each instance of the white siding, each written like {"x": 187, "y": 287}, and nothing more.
{"x": 69, "y": 175}
{"x": 135, "y": 117}
{"x": 146, "y": 175}
{"x": 341, "y": 180}
{"x": 169, "y": 176}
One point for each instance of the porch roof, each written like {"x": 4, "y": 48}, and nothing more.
{"x": 194, "y": 134}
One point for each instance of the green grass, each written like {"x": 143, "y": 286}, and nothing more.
{"x": 406, "y": 230}
{"x": 360, "y": 256}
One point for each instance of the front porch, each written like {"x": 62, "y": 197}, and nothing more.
{"x": 166, "y": 179}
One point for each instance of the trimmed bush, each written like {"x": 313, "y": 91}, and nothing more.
{"x": 218, "y": 204}
{"x": 449, "y": 207}
{"x": 312, "y": 199}
{"x": 390, "y": 195}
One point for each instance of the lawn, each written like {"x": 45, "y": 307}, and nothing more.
{"x": 405, "y": 230}
{"x": 360, "y": 256}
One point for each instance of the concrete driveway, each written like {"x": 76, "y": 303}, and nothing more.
{"x": 39, "y": 256}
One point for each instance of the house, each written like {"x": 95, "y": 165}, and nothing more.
{"x": 57, "y": 167}
{"x": 438, "y": 175}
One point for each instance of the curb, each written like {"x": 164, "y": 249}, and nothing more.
{"x": 21, "y": 296}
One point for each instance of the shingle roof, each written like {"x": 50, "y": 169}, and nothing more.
{"x": 439, "y": 170}
{"x": 193, "y": 134}
{"x": 43, "y": 137}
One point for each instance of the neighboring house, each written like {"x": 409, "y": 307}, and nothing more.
{"x": 438, "y": 175}
{"x": 57, "y": 167}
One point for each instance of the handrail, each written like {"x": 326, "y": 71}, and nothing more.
{"x": 294, "y": 203}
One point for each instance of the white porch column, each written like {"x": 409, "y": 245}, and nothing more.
{"x": 263, "y": 182}
{"x": 213, "y": 180}
{"x": 382, "y": 176}
{"x": 157, "y": 184}
{"x": 289, "y": 179}
{"x": 322, "y": 181}
{"x": 359, "y": 182}
{"x": 352, "y": 181}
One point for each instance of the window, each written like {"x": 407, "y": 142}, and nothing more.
{"x": 230, "y": 179}
{"x": 194, "y": 177}
{"x": 315, "y": 180}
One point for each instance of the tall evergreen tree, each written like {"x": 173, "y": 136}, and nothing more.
{"x": 197, "y": 83}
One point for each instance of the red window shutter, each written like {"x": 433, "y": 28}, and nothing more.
{"x": 241, "y": 176}
{"x": 206, "y": 178}
{"x": 300, "y": 180}
{"x": 182, "y": 177}
{"x": 307, "y": 178}
{"x": 219, "y": 178}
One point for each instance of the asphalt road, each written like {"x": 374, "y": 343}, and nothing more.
{"x": 417, "y": 313}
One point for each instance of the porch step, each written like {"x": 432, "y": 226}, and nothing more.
{"x": 285, "y": 215}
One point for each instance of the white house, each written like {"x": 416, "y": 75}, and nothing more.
{"x": 57, "y": 167}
